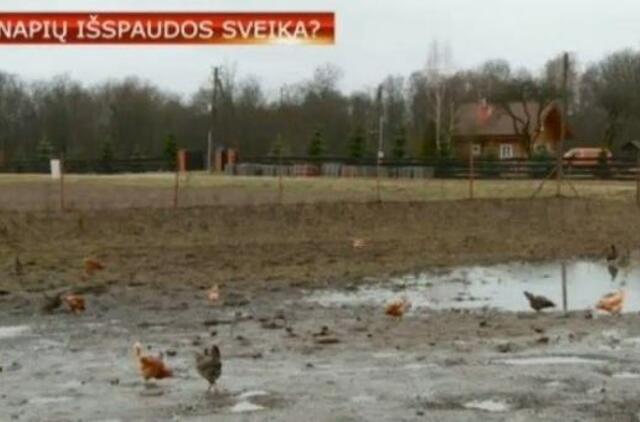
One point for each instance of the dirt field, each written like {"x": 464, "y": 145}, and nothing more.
{"x": 269, "y": 260}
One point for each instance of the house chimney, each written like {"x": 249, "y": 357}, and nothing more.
{"x": 484, "y": 112}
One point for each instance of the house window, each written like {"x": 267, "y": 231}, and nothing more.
{"x": 506, "y": 151}
{"x": 476, "y": 150}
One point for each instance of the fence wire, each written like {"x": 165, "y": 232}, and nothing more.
{"x": 39, "y": 192}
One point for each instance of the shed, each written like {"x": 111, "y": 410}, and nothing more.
{"x": 631, "y": 149}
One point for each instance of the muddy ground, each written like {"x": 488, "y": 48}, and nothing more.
{"x": 432, "y": 365}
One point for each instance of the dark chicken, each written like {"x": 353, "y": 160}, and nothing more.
{"x": 539, "y": 303}
{"x": 209, "y": 365}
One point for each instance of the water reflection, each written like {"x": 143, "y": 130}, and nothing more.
{"x": 500, "y": 286}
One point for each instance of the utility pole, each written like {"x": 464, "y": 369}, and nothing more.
{"x": 438, "y": 116}
{"x": 563, "y": 127}
{"x": 563, "y": 270}
{"x": 380, "y": 154}
{"x": 214, "y": 114}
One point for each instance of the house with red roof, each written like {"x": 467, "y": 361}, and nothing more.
{"x": 513, "y": 130}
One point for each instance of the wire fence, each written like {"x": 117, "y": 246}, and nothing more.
{"x": 586, "y": 168}
{"x": 284, "y": 180}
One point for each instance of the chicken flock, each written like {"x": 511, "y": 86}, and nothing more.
{"x": 208, "y": 363}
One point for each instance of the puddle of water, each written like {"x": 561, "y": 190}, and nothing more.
{"x": 555, "y": 384}
{"x": 245, "y": 406}
{"x": 488, "y": 405}
{"x": 497, "y": 286}
{"x": 249, "y": 394}
{"x": 72, "y": 384}
{"x": 49, "y": 400}
{"x": 385, "y": 355}
{"x": 13, "y": 331}
{"x": 626, "y": 375}
{"x": 553, "y": 360}
{"x": 363, "y": 399}
{"x": 632, "y": 340}
{"x": 419, "y": 366}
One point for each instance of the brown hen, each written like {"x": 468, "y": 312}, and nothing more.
{"x": 151, "y": 367}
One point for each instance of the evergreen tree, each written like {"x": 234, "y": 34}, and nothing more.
{"x": 357, "y": 144}
{"x": 170, "y": 151}
{"x": 277, "y": 149}
{"x": 316, "y": 148}
{"x": 44, "y": 150}
{"x": 445, "y": 150}
{"x": 399, "y": 145}
{"x": 106, "y": 157}
{"x": 428, "y": 148}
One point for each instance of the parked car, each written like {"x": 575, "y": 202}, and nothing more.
{"x": 585, "y": 156}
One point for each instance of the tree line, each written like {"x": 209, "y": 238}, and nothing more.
{"x": 133, "y": 118}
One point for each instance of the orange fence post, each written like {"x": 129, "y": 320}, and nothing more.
{"x": 182, "y": 160}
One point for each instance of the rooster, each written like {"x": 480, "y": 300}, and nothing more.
{"x": 151, "y": 367}
{"x": 213, "y": 294}
{"x": 612, "y": 302}
{"x": 538, "y": 303}
{"x": 397, "y": 307}
{"x": 209, "y": 365}
{"x": 75, "y": 303}
{"x": 92, "y": 266}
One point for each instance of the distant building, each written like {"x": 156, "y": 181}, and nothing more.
{"x": 492, "y": 131}
{"x": 630, "y": 150}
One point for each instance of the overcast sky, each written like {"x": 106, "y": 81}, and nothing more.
{"x": 374, "y": 38}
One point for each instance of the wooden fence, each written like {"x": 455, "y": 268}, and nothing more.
{"x": 573, "y": 168}
{"x": 618, "y": 169}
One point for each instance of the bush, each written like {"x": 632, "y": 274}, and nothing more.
{"x": 316, "y": 147}
{"x": 357, "y": 145}
{"x": 490, "y": 165}
{"x": 277, "y": 148}
{"x": 541, "y": 163}
{"x": 399, "y": 145}
{"x": 444, "y": 163}
{"x": 603, "y": 170}
{"x": 428, "y": 150}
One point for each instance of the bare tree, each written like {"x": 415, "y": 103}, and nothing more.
{"x": 612, "y": 86}
{"x": 439, "y": 63}
{"x": 523, "y": 97}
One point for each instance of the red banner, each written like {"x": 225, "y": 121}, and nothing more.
{"x": 313, "y": 28}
